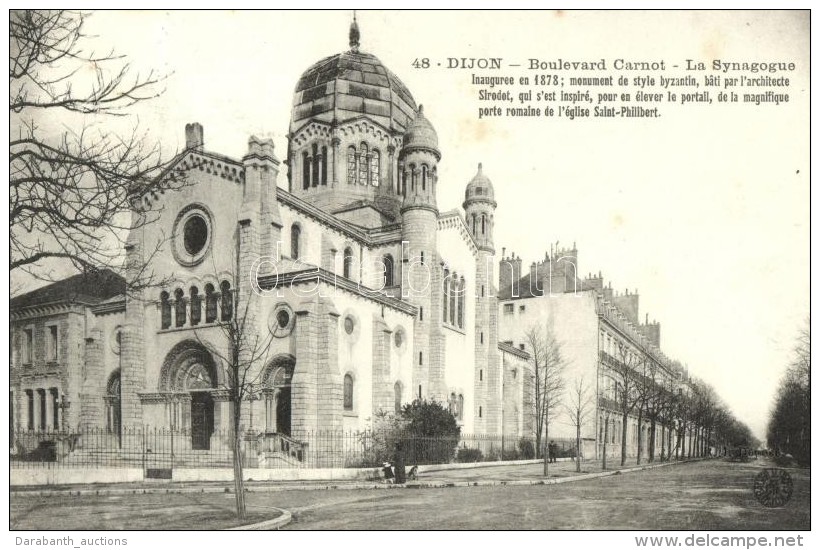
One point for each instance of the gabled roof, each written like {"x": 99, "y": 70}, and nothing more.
{"x": 87, "y": 288}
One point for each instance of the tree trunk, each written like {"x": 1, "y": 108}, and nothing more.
{"x": 606, "y": 437}
{"x": 663, "y": 441}
{"x": 624, "y": 420}
{"x": 653, "y": 427}
{"x": 546, "y": 453}
{"x": 238, "y": 481}
{"x": 640, "y": 433}
{"x": 578, "y": 441}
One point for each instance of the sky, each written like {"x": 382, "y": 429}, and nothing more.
{"x": 704, "y": 211}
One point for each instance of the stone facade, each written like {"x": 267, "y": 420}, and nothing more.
{"x": 341, "y": 293}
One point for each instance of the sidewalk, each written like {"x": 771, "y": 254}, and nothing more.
{"x": 469, "y": 475}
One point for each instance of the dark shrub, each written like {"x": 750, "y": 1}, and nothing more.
{"x": 527, "y": 449}
{"x": 469, "y": 455}
{"x": 431, "y": 433}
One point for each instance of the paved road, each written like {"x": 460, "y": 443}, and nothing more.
{"x": 707, "y": 495}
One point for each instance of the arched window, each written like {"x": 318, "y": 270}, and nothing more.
{"x": 179, "y": 307}
{"x": 424, "y": 177}
{"x": 460, "y": 407}
{"x": 452, "y": 292}
{"x": 403, "y": 183}
{"x": 462, "y": 291}
{"x": 305, "y": 171}
{"x": 227, "y": 301}
{"x": 474, "y": 224}
{"x": 295, "y": 233}
{"x": 446, "y": 293}
{"x": 375, "y": 167}
{"x": 413, "y": 178}
{"x": 348, "y": 392}
{"x": 347, "y": 263}
{"x": 316, "y": 166}
{"x": 324, "y": 165}
{"x": 388, "y": 270}
{"x": 363, "y": 164}
{"x": 210, "y": 303}
{"x": 351, "y": 165}
{"x": 397, "y": 397}
{"x": 483, "y": 223}
{"x": 165, "y": 309}
{"x": 196, "y": 306}
{"x": 453, "y": 404}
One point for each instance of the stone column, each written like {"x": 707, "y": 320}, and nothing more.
{"x": 335, "y": 142}
{"x": 382, "y": 390}
{"x": 132, "y": 344}
{"x": 93, "y": 385}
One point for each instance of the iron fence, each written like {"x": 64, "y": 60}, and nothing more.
{"x": 162, "y": 449}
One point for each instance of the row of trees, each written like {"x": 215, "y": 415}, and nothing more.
{"x": 689, "y": 415}
{"x": 789, "y": 429}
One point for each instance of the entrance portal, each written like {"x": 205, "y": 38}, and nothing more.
{"x": 202, "y": 420}
{"x": 277, "y": 391}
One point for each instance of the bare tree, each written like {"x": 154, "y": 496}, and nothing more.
{"x": 627, "y": 367}
{"x": 243, "y": 350}
{"x": 548, "y": 383}
{"x": 73, "y": 181}
{"x": 579, "y": 406}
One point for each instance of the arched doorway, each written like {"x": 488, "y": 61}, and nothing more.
{"x": 113, "y": 404}
{"x": 189, "y": 375}
{"x": 277, "y": 392}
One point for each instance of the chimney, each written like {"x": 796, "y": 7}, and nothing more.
{"x": 194, "y": 136}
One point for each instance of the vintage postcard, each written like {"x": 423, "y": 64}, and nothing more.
{"x": 414, "y": 270}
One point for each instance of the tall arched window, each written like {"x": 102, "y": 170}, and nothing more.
{"x": 452, "y": 291}
{"x": 196, "y": 306}
{"x": 347, "y": 263}
{"x": 227, "y": 301}
{"x": 445, "y": 286}
{"x": 295, "y": 233}
{"x": 474, "y": 225}
{"x": 324, "y": 165}
{"x": 403, "y": 182}
{"x": 483, "y": 223}
{"x": 179, "y": 307}
{"x": 316, "y": 166}
{"x": 375, "y": 167}
{"x": 462, "y": 291}
{"x": 305, "y": 171}
{"x": 460, "y": 407}
{"x": 397, "y": 397}
{"x": 351, "y": 165}
{"x": 210, "y": 303}
{"x": 165, "y": 309}
{"x": 424, "y": 177}
{"x": 388, "y": 270}
{"x": 413, "y": 178}
{"x": 348, "y": 392}
{"x": 363, "y": 164}
{"x": 452, "y": 404}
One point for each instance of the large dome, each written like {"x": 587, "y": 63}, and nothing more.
{"x": 349, "y": 85}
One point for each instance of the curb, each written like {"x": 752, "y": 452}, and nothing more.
{"x": 268, "y": 525}
{"x": 346, "y": 486}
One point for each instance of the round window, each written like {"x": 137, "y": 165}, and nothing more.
{"x": 349, "y": 324}
{"x": 283, "y": 318}
{"x": 195, "y": 235}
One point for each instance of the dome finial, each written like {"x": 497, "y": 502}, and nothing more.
{"x": 421, "y": 109}
{"x": 479, "y": 167}
{"x": 354, "y": 34}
